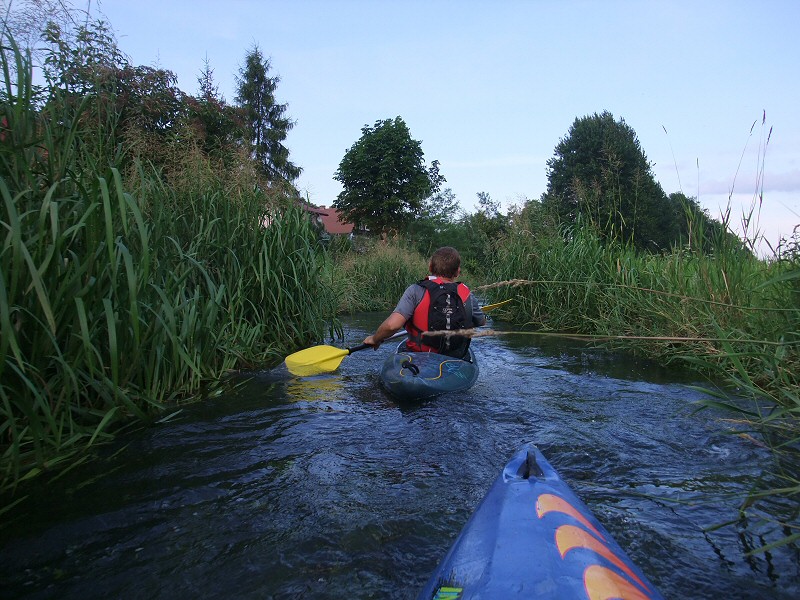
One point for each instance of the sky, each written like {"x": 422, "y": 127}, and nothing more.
{"x": 489, "y": 88}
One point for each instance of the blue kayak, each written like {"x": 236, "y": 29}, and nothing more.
{"x": 531, "y": 537}
{"x": 418, "y": 375}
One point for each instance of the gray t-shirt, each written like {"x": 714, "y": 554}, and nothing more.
{"x": 413, "y": 296}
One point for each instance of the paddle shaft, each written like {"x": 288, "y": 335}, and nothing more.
{"x": 399, "y": 334}
{"x": 321, "y": 359}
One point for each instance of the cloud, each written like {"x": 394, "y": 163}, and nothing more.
{"x": 786, "y": 181}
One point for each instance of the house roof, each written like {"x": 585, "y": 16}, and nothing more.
{"x": 313, "y": 209}
{"x": 332, "y": 222}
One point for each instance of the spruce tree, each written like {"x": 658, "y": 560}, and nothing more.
{"x": 266, "y": 122}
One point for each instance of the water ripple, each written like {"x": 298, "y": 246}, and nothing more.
{"x": 325, "y": 487}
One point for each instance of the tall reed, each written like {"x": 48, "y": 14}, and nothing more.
{"x": 576, "y": 283}
{"x": 114, "y": 305}
{"x": 374, "y": 275}
{"x": 725, "y": 313}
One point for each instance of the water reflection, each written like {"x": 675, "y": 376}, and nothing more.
{"x": 320, "y": 388}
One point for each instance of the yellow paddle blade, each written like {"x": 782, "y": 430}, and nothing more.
{"x": 316, "y": 360}
{"x": 489, "y": 307}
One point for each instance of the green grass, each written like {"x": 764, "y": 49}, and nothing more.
{"x": 711, "y": 301}
{"x": 374, "y": 276}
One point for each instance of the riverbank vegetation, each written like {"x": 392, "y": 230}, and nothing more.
{"x": 372, "y": 275}
{"x": 137, "y": 270}
{"x": 711, "y": 306}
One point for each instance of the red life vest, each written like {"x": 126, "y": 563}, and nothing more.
{"x": 420, "y": 320}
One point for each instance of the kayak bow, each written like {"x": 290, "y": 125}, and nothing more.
{"x": 531, "y": 537}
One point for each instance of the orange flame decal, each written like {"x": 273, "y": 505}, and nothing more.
{"x": 602, "y": 584}
{"x": 569, "y": 537}
{"x": 546, "y": 503}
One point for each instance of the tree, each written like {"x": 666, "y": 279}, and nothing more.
{"x": 216, "y": 124}
{"x": 437, "y": 224}
{"x": 117, "y": 104}
{"x": 149, "y": 100}
{"x": 266, "y": 120}
{"x": 83, "y": 61}
{"x": 384, "y": 178}
{"x": 694, "y": 228}
{"x": 600, "y": 172}
{"x": 481, "y": 231}
{"x": 209, "y": 90}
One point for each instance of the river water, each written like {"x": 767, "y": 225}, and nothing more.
{"x": 325, "y": 487}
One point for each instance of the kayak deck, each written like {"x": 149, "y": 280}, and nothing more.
{"x": 531, "y": 537}
{"x": 418, "y": 375}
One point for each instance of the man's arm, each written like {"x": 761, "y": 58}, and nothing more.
{"x": 393, "y": 323}
{"x": 478, "y": 316}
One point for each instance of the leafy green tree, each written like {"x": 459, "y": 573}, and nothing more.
{"x": 599, "y": 171}
{"x": 384, "y": 178}
{"x": 81, "y": 66}
{"x": 438, "y": 222}
{"x": 694, "y": 228}
{"x": 684, "y": 212}
{"x": 82, "y": 62}
{"x": 266, "y": 121}
{"x": 488, "y": 217}
{"x": 149, "y": 100}
{"x": 117, "y": 104}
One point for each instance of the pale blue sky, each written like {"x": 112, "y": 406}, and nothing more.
{"x": 489, "y": 88}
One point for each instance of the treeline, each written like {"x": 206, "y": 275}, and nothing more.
{"x": 141, "y": 114}
{"x": 599, "y": 176}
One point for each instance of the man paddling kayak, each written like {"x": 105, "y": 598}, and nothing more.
{"x": 436, "y": 303}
